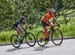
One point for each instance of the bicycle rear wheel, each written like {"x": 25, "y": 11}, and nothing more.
{"x": 57, "y": 37}
{"x": 15, "y": 41}
{"x": 30, "y": 39}
{"x": 41, "y": 38}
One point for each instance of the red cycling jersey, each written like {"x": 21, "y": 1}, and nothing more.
{"x": 47, "y": 17}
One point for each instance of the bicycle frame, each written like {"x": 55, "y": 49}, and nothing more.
{"x": 53, "y": 29}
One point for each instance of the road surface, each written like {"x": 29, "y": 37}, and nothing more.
{"x": 67, "y": 48}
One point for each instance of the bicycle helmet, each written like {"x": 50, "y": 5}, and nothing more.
{"x": 52, "y": 10}
{"x": 21, "y": 18}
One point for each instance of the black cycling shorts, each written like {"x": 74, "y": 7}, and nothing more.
{"x": 44, "y": 24}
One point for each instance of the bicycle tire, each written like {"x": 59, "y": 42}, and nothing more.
{"x": 41, "y": 38}
{"x": 30, "y": 39}
{"x": 53, "y": 40}
{"x": 13, "y": 42}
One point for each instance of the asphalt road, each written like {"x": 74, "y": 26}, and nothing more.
{"x": 67, "y": 48}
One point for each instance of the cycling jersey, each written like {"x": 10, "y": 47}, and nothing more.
{"x": 47, "y": 17}
{"x": 16, "y": 23}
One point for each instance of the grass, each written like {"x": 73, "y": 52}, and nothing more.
{"x": 68, "y": 30}
{"x": 5, "y": 36}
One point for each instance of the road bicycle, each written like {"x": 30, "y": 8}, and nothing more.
{"x": 27, "y": 38}
{"x": 55, "y": 35}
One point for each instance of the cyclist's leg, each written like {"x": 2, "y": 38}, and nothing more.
{"x": 46, "y": 35}
{"x": 18, "y": 31}
{"x": 45, "y": 31}
{"x": 51, "y": 28}
{"x": 20, "y": 35}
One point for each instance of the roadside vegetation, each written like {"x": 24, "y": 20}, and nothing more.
{"x": 68, "y": 30}
{"x": 33, "y": 10}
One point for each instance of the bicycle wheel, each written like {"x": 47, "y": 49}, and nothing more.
{"x": 15, "y": 41}
{"x": 57, "y": 37}
{"x": 41, "y": 38}
{"x": 30, "y": 39}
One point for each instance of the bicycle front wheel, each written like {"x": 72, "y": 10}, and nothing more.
{"x": 30, "y": 39}
{"x": 57, "y": 37}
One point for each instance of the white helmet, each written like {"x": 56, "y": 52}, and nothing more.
{"x": 52, "y": 10}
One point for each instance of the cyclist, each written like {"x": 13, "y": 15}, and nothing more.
{"x": 17, "y": 25}
{"x": 46, "y": 22}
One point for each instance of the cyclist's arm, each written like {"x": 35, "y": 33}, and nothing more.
{"x": 56, "y": 22}
{"x": 54, "y": 18}
{"x": 42, "y": 18}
